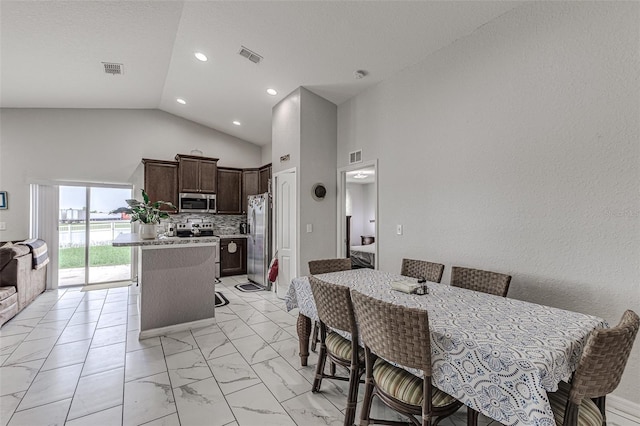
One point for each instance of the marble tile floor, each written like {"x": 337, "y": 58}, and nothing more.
{"x": 73, "y": 358}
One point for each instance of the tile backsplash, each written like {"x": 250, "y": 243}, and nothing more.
{"x": 223, "y": 224}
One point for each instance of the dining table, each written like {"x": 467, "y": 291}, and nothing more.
{"x": 499, "y": 356}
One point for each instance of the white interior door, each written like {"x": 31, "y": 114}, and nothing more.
{"x": 285, "y": 229}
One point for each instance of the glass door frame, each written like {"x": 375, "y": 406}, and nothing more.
{"x": 88, "y": 186}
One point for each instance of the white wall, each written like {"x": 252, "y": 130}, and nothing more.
{"x": 355, "y": 198}
{"x": 97, "y": 146}
{"x": 369, "y": 209}
{"x": 304, "y": 126}
{"x": 266, "y": 154}
{"x": 516, "y": 149}
{"x": 318, "y": 130}
{"x": 285, "y": 133}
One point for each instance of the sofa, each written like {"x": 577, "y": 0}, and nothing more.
{"x": 20, "y": 281}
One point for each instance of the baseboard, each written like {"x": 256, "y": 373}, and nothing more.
{"x": 620, "y": 407}
{"x": 163, "y": 331}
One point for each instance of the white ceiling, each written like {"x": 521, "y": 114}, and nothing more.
{"x": 51, "y": 52}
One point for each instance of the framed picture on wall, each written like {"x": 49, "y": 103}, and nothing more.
{"x": 3, "y": 200}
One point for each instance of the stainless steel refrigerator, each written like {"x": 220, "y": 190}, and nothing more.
{"x": 259, "y": 239}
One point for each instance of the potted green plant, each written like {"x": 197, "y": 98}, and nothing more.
{"x": 147, "y": 213}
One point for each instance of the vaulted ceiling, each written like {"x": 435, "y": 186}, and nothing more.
{"x": 52, "y": 52}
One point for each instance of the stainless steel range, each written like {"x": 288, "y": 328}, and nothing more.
{"x": 196, "y": 228}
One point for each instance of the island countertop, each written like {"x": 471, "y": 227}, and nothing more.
{"x": 134, "y": 240}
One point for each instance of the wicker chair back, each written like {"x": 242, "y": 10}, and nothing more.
{"x": 325, "y": 266}
{"x": 334, "y": 305}
{"x": 479, "y": 280}
{"x": 422, "y": 269}
{"x": 394, "y": 332}
{"x": 603, "y": 359}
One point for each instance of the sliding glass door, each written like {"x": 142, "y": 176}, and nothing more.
{"x": 85, "y": 232}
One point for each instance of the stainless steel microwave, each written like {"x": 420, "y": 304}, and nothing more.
{"x": 197, "y": 203}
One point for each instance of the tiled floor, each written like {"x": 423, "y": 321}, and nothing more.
{"x": 74, "y": 358}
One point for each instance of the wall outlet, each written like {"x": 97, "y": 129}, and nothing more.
{"x": 3, "y": 226}
{"x": 399, "y": 229}
{"x": 309, "y": 227}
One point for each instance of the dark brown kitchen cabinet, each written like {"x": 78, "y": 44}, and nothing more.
{"x": 197, "y": 174}
{"x": 161, "y": 181}
{"x": 233, "y": 256}
{"x": 250, "y": 185}
{"x": 229, "y": 196}
{"x": 265, "y": 178}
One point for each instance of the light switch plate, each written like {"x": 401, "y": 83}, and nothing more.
{"x": 309, "y": 227}
{"x": 3, "y": 226}
{"x": 399, "y": 229}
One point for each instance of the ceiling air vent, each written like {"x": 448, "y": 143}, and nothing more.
{"x": 113, "y": 68}
{"x": 355, "y": 157}
{"x": 250, "y": 55}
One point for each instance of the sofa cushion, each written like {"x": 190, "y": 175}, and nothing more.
{"x": 8, "y": 307}
{"x": 9, "y": 253}
{"x": 6, "y": 292}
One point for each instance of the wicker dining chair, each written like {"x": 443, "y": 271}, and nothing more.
{"x": 324, "y": 266}
{"x": 582, "y": 402}
{"x": 422, "y": 269}
{"x": 335, "y": 310}
{"x": 478, "y": 280}
{"x": 400, "y": 335}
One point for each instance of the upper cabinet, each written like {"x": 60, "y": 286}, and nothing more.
{"x": 164, "y": 180}
{"x": 250, "y": 185}
{"x": 197, "y": 174}
{"x": 265, "y": 179}
{"x": 229, "y": 198}
{"x": 161, "y": 181}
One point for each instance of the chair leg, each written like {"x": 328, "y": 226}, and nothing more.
{"x": 472, "y": 417}
{"x": 332, "y": 368}
{"x": 365, "y": 411}
{"x": 352, "y": 397}
{"x": 314, "y": 336}
{"x": 322, "y": 357}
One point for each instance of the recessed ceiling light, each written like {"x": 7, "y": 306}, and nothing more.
{"x": 201, "y": 56}
{"x": 181, "y": 101}
{"x": 358, "y": 74}
{"x": 360, "y": 176}
{"x": 236, "y": 122}
{"x": 272, "y": 92}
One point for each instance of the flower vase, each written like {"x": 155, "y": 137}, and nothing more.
{"x": 147, "y": 231}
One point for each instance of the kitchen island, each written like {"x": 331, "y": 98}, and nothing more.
{"x": 177, "y": 282}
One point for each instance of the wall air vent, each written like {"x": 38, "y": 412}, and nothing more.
{"x": 113, "y": 68}
{"x": 355, "y": 157}
{"x": 250, "y": 55}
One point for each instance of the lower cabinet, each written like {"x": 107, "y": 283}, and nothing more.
{"x": 233, "y": 256}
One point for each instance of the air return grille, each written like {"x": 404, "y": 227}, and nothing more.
{"x": 113, "y": 68}
{"x": 250, "y": 55}
{"x": 355, "y": 157}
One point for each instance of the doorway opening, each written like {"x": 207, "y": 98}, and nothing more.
{"x": 358, "y": 214}
{"x": 85, "y": 232}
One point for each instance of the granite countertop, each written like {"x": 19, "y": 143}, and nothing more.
{"x": 233, "y": 235}
{"x": 134, "y": 240}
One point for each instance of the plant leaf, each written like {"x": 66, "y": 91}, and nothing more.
{"x": 145, "y": 197}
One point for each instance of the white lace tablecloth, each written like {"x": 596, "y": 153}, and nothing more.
{"x": 499, "y": 356}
